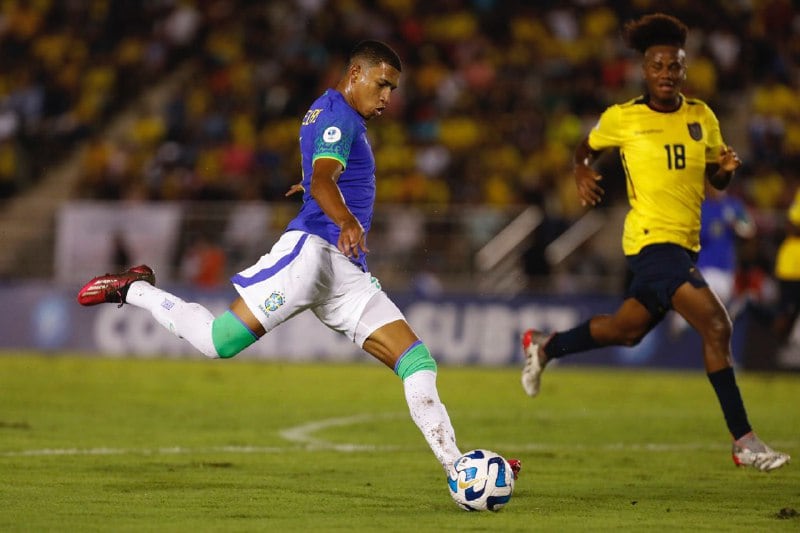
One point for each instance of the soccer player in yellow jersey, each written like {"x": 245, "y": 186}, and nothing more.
{"x": 669, "y": 145}
{"x": 787, "y": 272}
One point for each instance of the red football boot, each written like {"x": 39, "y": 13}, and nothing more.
{"x": 516, "y": 466}
{"x": 113, "y": 288}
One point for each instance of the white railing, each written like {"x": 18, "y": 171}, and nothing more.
{"x": 455, "y": 248}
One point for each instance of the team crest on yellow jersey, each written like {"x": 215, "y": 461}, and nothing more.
{"x": 695, "y": 131}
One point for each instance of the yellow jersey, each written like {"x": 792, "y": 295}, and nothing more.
{"x": 787, "y": 263}
{"x": 664, "y": 156}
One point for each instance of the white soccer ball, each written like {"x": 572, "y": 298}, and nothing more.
{"x": 481, "y": 480}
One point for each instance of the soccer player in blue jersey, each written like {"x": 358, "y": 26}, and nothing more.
{"x": 723, "y": 221}
{"x": 670, "y": 146}
{"x": 319, "y": 263}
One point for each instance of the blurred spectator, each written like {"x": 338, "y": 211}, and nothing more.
{"x": 203, "y": 264}
{"x": 68, "y": 66}
{"x": 474, "y": 89}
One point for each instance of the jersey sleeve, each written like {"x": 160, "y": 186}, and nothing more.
{"x": 714, "y": 142}
{"x": 334, "y": 138}
{"x": 607, "y": 133}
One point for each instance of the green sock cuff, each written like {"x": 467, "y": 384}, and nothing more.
{"x": 416, "y": 358}
{"x": 230, "y": 335}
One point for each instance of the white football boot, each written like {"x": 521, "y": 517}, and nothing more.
{"x": 751, "y": 451}
{"x": 535, "y": 360}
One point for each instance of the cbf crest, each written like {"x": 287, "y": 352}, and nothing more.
{"x": 695, "y": 131}
{"x": 274, "y": 302}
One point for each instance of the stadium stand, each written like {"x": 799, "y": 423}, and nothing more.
{"x": 498, "y": 95}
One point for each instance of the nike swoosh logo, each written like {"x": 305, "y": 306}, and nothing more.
{"x": 463, "y": 485}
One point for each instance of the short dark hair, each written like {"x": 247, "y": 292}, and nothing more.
{"x": 653, "y": 30}
{"x": 375, "y": 53}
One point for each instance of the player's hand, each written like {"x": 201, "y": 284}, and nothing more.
{"x": 297, "y": 187}
{"x": 589, "y": 190}
{"x": 352, "y": 241}
{"x": 728, "y": 160}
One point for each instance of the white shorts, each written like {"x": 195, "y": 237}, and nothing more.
{"x": 303, "y": 271}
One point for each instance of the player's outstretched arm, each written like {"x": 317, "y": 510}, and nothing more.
{"x": 586, "y": 179}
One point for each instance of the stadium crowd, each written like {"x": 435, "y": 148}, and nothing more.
{"x": 496, "y": 96}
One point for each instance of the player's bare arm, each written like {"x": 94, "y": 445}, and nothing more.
{"x": 325, "y": 191}
{"x": 721, "y": 173}
{"x": 586, "y": 179}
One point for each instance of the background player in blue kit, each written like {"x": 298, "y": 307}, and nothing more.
{"x": 319, "y": 263}
{"x": 723, "y": 221}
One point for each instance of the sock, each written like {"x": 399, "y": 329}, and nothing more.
{"x": 190, "y": 321}
{"x": 577, "y": 339}
{"x": 430, "y": 416}
{"x": 724, "y": 383}
{"x": 417, "y": 357}
{"x": 231, "y": 335}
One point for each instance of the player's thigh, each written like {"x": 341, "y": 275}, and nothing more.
{"x": 701, "y": 308}
{"x": 282, "y": 283}
{"x": 347, "y": 295}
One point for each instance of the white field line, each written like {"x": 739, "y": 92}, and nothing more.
{"x": 304, "y": 433}
{"x": 302, "y": 438}
{"x": 172, "y": 450}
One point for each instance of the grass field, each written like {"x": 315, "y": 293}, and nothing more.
{"x": 91, "y": 444}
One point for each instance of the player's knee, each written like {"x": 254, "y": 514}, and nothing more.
{"x": 719, "y": 328}
{"x": 630, "y": 340}
{"x": 631, "y": 336}
{"x": 230, "y": 335}
{"x": 417, "y": 357}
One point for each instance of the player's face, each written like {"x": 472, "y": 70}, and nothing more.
{"x": 371, "y": 88}
{"x": 664, "y": 70}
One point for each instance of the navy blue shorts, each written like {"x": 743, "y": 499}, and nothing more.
{"x": 789, "y": 303}
{"x": 657, "y": 271}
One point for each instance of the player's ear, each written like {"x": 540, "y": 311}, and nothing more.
{"x": 355, "y": 71}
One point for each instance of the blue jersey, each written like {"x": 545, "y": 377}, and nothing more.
{"x": 717, "y": 234}
{"x": 333, "y": 129}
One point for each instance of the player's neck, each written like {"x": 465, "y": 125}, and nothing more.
{"x": 665, "y": 106}
{"x": 346, "y": 91}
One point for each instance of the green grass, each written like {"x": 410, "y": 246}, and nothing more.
{"x": 91, "y": 444}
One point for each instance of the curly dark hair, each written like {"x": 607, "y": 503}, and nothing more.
{"x": 655, "y": 29}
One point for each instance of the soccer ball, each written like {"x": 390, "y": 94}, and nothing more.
{"x": 481, "y": 480}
